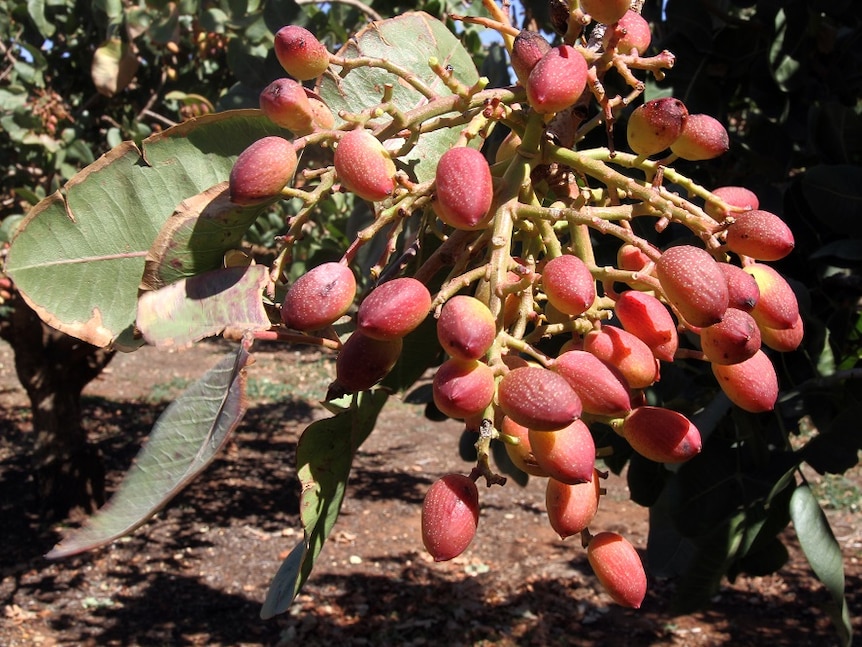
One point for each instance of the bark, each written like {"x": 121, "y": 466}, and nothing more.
{"x": 54, "y": 368}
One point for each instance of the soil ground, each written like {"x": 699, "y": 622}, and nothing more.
{"x": 198, "y": 572}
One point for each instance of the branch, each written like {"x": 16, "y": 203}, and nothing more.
{"x": 364, "y": 8}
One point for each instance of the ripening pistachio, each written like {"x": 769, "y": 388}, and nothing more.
{"x": 760, "y": 235}
{"x": 527, "y": 49}
{"x": 735, "y": 196}
{"x": 286, "y": 104}
{"x": 538, "y": 398}
{"x": 450, "y": 516}
{"x": 732, "y": 340}
{"x": 463, "y": 189}
{"x": 300, "y": 53}
{"x": 557, "y": 80}
{"x": 648, "y": 319}
{"x": 693, "y": 283}
{"x": 363, "y": 165}
{"x": 635, "y": 33}
{"x": 619, "y": 568}
{"x": 702, "y": 138}
{"x": 661, "y": 435}
{"x": 262, "y": 170}
{"x": 319, "y": 297}
{"x": 394, "y": 308}
{"x": 751, "y": 385}
{"x": 655, "y": 125}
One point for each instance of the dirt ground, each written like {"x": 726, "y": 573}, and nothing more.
{"x": 198, "y": 573}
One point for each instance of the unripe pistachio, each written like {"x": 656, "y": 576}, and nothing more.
{"x": 777, "y": 306}
{"x": 521, "y": 453}
{"x": 783, "y": 340}
{"x": 508, "y": 148}
{"x": 606, "y": 12}
{"x": 322, "y": 115}
{"x": 631, "y": 258}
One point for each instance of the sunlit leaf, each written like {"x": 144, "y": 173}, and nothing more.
{"x": 96, "y": 231}
{"x": 184, "y": 441}
{"x": 409, "y": 41}
{"x": 196, "y": 237}
{"x": 114, "y": 66}
{"x": 36, "y": 11}
{"x": 203, "y": 306}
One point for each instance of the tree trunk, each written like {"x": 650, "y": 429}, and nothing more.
{"x": 54, "y": 368}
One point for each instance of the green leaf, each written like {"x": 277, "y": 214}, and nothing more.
{"x": 836, "y": 448}
{"x": 203, "y": 306}
{"x": 786, "y": 65}
{"x": 184, "y": 441}
{"x": 8, "y": 226}
{"x": 669, "y": 554}
{"x": 324, "y": 457}
{"x": 409, "y": 41}
{"x": 502, "y": 461}
{"x": 421, "y": 350}
{"x": 769, "y": 557}
{"x": 823, "y": 553}
{"x": 196, "y": 237}
{"x": 646, "y": 480}
{"x": 834, "y": 194}
{"x": 36, "y": 10}
{"x": 708, "y": 566}
{"x": 95, "y": 232}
